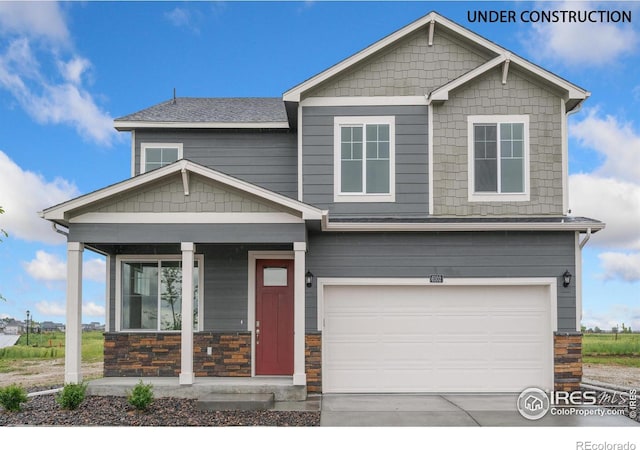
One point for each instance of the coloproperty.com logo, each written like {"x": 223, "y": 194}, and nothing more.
{"x": 534, "y": 403}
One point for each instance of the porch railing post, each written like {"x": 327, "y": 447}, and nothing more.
{"x": 186, "y": 341}
{"x": 299, "y": 375}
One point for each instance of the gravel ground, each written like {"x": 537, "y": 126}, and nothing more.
{"x": 165, "y": 412}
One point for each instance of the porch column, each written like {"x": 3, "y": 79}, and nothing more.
{"x": 186, "y": 342}
{"x": 73, "y": 330}
{"x": 299, "y": 375}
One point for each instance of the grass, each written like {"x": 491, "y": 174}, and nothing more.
{"x": 51, "y": 346}
{"x": 623, "y": 350}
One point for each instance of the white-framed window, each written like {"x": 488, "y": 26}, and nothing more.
{"x": 154, "y": 155}
{"x": 149, "y": 292}
{"x": 364, "y": 159}
{"x": 498, "y": 158}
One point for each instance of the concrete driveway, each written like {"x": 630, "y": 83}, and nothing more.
{"x": 390, "y": 410}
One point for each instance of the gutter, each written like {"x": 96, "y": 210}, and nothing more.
{"x": 65, "y": 233}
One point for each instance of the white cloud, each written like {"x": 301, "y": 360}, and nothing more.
{"x": 89, "y": 309}
{"x": 615, "y": 140}
{"x": 585, "y": 44}
{"x": 617, "y": 203}
{"x": 49, "y": 267}
{"x": 24, "y": 193}
{"x": 180, "y": 17}
{"x": 94, "y": 270}
{"x": 624, "y": 266}
{"x": 40, "y": 19}
{"x": 50, "y": 308}
{"x": 614, "y": 316}
{"x": 46, "y": 267}
{"x": 48, "y": 97}
{"x": 92, "y": 309}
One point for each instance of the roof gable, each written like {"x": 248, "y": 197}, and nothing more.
{"x": 429, "y": 24}
{"x": 180, "y": 188}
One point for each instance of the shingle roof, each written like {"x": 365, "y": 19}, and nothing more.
{"x": 212, "y": 110}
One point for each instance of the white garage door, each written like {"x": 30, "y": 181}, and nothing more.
{"x": 436, "y": 338}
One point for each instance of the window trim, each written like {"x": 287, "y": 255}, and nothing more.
{"x": 340, "y": 197}
{"x": 155, "y": 258}
{"x": 145, "y": 145}
{"x": 497, "y": 196}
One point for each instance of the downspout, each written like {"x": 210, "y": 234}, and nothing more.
{"x": 586, "y": 238}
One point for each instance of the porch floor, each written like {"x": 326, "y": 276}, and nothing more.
{"x": 282, "y": 388}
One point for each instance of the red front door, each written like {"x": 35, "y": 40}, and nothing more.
{"x": 274, "y": 317}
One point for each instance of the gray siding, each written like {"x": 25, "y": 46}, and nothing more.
{"x": 225, "y": 284}
{"x": 135, "y": 233}
{"x": 488, "y": 96}
{"x": 412, "y": 184}
{"x": 408, "y": 67}
{"x": 472, "y": 254}
{"x": 265, "y": 158}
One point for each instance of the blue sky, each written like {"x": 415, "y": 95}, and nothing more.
{"x": 67, "y": 69}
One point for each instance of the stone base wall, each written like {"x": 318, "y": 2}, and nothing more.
{"x": 313, "y": 362}
{"x": 158, "y": 354}
{"x": 230, "y": 354}
{"x": 567, "y": 358}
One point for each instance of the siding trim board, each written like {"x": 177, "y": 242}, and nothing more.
{"x": 459, "y": 226}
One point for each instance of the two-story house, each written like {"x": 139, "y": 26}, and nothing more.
{"x": 396, "y": 223}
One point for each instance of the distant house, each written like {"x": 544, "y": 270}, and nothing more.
{"x": 14, "y": 327}
{"x": 51, "y": 326}
{"x": 93, "y": 326}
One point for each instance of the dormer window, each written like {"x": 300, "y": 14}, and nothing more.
{"x": 498, "y": 158}
{"x": 156, "y": 155}
{"x": 364, "y": 159}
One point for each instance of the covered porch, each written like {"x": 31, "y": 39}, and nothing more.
{"x": 186, "y": 241}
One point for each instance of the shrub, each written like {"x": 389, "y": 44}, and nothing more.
{"x": 11, "y": 397}
{"x": 71, "y": 395}
{"x": 141, "y": 396}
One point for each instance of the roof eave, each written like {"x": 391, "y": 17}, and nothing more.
{"x": 128, "y": 125}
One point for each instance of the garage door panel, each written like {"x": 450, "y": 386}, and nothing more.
{"x": 436, "y": 338}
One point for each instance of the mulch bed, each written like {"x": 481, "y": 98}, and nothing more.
{"x": 164, "y": 412}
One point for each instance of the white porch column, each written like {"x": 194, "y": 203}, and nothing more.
{"x": 186, "y": 346}
{"x": 299, "y": 375}
{"x": 73, "y": 330}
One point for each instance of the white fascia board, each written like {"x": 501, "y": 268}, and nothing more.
{"x": 442, "y": 93}
{"x": 59, "y": 212}
{"x": 206, "y": 217}
{"x": 127, "y": 125}
{"x": 293, "y": 95}
{"x": 409, "y": 100}
{"x": 453, "y": 226}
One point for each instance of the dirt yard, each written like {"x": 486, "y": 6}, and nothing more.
{"x": 49, "y": 372}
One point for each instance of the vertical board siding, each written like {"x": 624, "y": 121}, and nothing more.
{"x": 411, "y": 167}
{"x": 265, "y": 158}
{"x": 461, "y": 254}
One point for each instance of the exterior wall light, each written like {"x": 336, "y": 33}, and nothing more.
{"x": 566, "y": 278}
{"x": 308, "y": 277}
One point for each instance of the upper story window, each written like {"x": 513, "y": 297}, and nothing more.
{"x": 364, "y": 159}
{"x": 156, "y": 155}
{"x": 498, "y": 158}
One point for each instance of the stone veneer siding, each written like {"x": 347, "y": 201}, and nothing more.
{"x": 158, "y": 354}
{"x": 313, "y": 362}
{"x": 567, "y": 358}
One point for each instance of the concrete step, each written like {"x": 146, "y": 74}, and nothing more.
{"x": 235, "y": 402}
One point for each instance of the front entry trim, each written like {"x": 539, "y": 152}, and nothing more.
{"x": 253, "y": 257}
